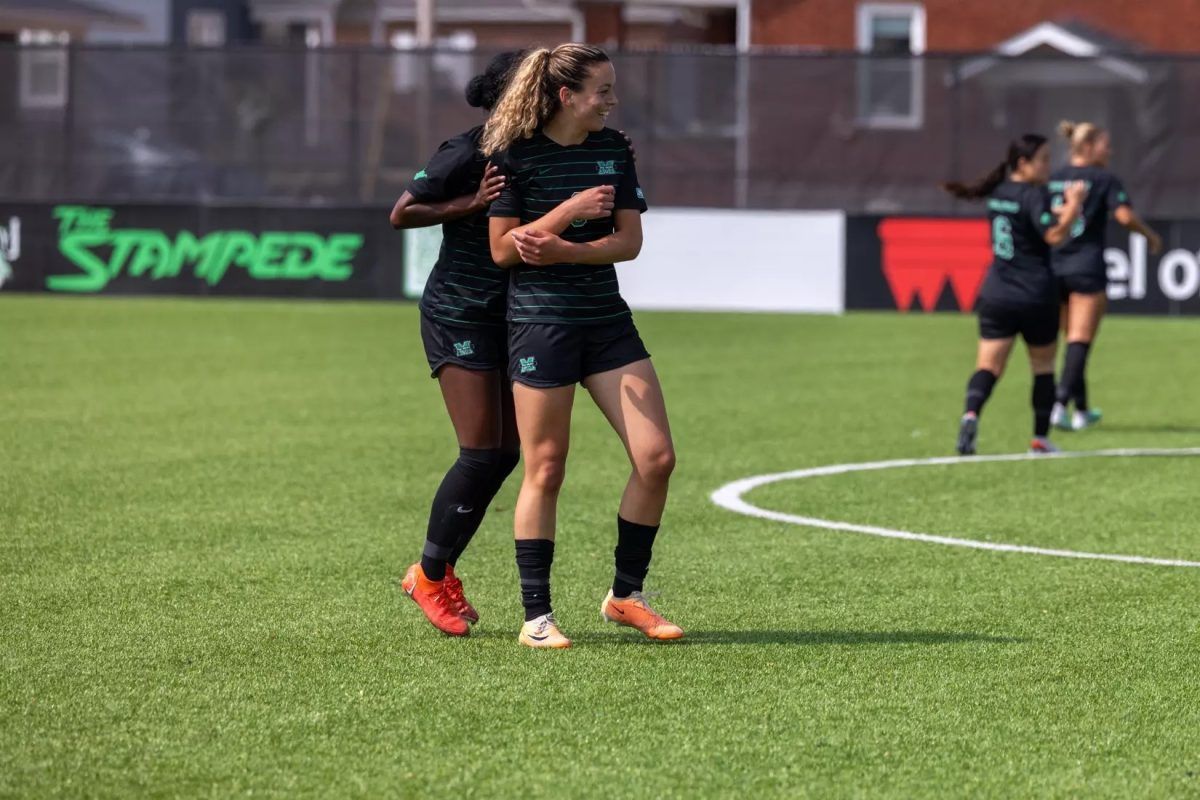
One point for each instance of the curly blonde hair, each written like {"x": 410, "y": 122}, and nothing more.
{"x": 531, "y": 97}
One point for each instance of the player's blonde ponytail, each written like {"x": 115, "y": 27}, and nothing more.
{"x": 522, "y": 105}
{"x": 1079, "y": 135}
{"x": 532, "y": 95}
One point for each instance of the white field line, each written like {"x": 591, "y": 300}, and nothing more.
{"x": 729, "y": 497}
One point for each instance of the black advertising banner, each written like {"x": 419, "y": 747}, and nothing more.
{"x": 199, "y": 250}
{"x": 938, "y": 264}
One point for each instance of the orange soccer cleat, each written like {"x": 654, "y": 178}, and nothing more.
{"x": 458, "y": 601}
{"x": 434, "y": 601}
{"x": 635, "y": 612}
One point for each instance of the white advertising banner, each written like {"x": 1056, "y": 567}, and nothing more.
{"x": 729, "y": 260}
{"x": 712, "y": 260}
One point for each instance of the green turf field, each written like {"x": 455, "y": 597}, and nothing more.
{"x": 205, "y": 507}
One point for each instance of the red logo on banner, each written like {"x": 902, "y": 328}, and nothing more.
{"x": 920, "y": 255}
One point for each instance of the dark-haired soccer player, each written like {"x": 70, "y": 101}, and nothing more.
{"x": 1079, "y": 262}
{"x": 1019, "y": 295}
{"x": 570, "y": 211}
{"x": 465, "y": 334}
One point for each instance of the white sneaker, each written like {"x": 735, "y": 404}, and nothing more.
{"x": 543, "y": 632}
{"x": 1059, "y": 419}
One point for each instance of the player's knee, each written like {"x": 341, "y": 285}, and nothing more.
{"x": 1042, "y": 362}
{"x": 505, "y": 462}
{"x": 996, "y": 368}
{"x": 547, "y": 469}
{"x": 656, "y": 465}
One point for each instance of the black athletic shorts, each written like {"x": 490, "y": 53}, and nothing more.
{"x": 1038, "y": 325}
{"x": 481, "y": 348}
{"x": 1083, "y": 283}
{"x": 553, "y": 354}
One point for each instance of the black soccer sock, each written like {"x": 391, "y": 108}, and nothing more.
{"x": 1073, "y": 385}
{"x": 534, "y": 557}
{"x": 503, "y": 463}
{"x": 979, "y": 389}
{"x": 458, "y": 507}
{"x": 1080, "y": 394}
{"x": 1043, "y": 403}
{"x": 635, "y": 544}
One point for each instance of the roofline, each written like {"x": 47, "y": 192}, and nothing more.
{"x": 35, "y": 16}
{"x": 1067, "y": 42}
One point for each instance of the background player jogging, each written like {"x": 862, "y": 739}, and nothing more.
{"x": 570, "y": 210}
{"x": 465, "y": 335}
{"x": 1019, "y": 294}
{"x": 1079, "y": 262}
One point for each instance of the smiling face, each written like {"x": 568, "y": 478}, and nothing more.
{"x": 590, "y": 106}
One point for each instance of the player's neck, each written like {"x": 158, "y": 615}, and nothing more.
{"x": 564, "y": 131}
{"x": 1076, "y": 161}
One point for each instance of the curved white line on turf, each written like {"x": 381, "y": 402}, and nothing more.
{"x": 729, "y": 497}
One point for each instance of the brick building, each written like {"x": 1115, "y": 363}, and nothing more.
{"x": 957, "y": 26}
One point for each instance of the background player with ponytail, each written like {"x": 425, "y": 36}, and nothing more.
{"x": 1079, "y": 262}
{"x": 465, "y": 334}
{"x": 1019, "y": 295}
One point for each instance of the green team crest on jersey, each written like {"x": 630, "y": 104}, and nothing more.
{"x": 528, "y": 364}
{"x": 464, "y": 348}
{"x": 606, "y": 167}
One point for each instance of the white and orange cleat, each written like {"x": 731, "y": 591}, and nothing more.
{"x": 635, "y": 612}
{"x": 543, "y": 632}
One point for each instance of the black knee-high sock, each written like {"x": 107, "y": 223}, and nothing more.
{"x": 1080, "y": 394}
{"x": 504, "y": 462}
{"x": 534, "y": 557}
{"x": 979, "y": 389}
{"x": 1073, "y": 385}
{"x": 1043, "y": 403}
{"x": 458, "y": 507}
{"x": 635, "y": 544}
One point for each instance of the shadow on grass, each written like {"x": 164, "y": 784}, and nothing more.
{"x": 802, "y": 638}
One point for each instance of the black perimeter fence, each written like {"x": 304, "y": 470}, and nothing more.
{"x": 326, "y": 127}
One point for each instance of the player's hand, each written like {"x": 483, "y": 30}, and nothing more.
{"x": 1154, "y": 242}
{"x": 539, "y": 248}
{"x": 490, "y": 187}
{"x": 1075, "y": 192}
{"x": 628, "y": 141}
{"x": 594, "y": 203}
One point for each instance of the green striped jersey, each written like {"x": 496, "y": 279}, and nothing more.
{"x": 541, "y": 175}
{"x": 465, "y": 287}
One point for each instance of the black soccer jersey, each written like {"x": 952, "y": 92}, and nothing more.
{"x": 1020, "y": 275}
{"x": 543, "y": 174}
{"x": 1083, "y": 253}
{"x": 466, "y": 287}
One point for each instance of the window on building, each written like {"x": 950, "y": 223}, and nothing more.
{"x": 890, "y": 79}
{"x": 206, "y": 28}
{"x": 43, "y": 68}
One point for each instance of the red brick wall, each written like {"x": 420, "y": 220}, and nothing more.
{"x": 972, "y": 25}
